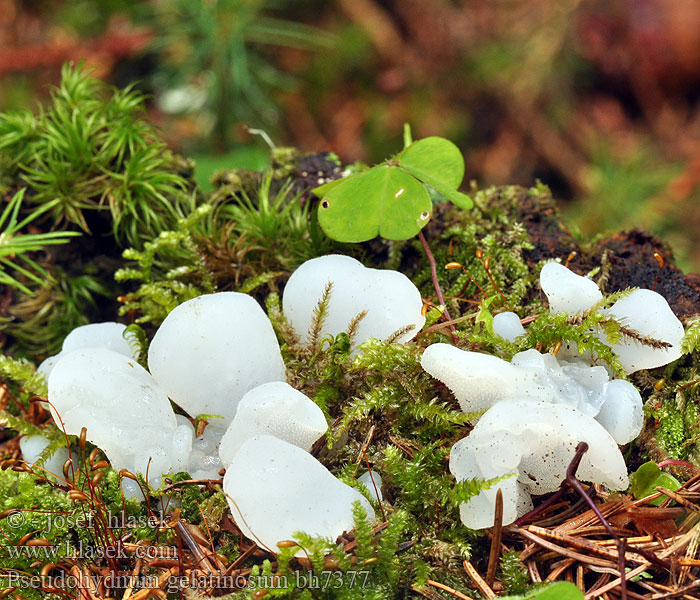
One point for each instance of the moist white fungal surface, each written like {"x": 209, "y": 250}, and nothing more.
{"x": 275, "y": 409}
{"x": 566, "y": 291}
{"x": 213, "y": 355}
{"x": 479, "y": 381}
{"x": 389, "y": 299}
{"x": 217, "y": 355}
{"x": 644, "y": 312}
{"x": 109, "y": 335}
{"x": 275, "y": 489}
{"x": 648, "y": 314}
{"x": 213, "y": 349}
{"x": 534, "y": 443}
{"x": 508, "y": 326}
{"x": 124, "y": 411}
{"x": 32, "y": 446}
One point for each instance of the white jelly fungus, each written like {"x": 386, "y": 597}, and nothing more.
{"x": 530, "y": 445}
{"x": 275, "y": 409}
{"x": 211, "y": 350}
{"x": 648, "y": 314}
{"x": 566, "y": 291}
{"x": 124, "y": 411}
{"x": 109, "y": 335}
{"x": 276, "y": 489}
{"x": 642, "y": 311}
{"x": 508, "y": 326}
{"x": 389, "y": 299}
{"x": 32, "y": 447}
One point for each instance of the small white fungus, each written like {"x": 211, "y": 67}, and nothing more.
{"x": 622, "y": 414}
{"x": 204, "y": 461}
{"x": 33, "y": 445}
{"x": 535, "y": 441}
{"x": 479, "y": 381}
{"x": 647, "y": 313}
{"x": 275, "y": 489}
{"x": 125, "y": 412}
{"x": 389, "y": 298}
{"x": 508, "y": 326}
{"x": 211, "y": 350}
{"x": 566, "y": 291}
{"x": 95, "y": 335}
{"x": 275, "y": 409}
{"x": 372, "y": 483}
{"x": 643, "y": 311}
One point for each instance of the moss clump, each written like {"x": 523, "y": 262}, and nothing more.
{"x": 485, "y": 249}
{"x": 94, "y": 155}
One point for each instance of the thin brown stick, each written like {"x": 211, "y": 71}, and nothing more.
{"x": 611, "y": 585}
{"x": 449, "y": 590}
{"x": 436, "y": 283}
{"x": 533, "y": 571}
{"x": 678, "y": 498}
{"x": 584, "y": 558}
{"x": 679, "y": 592}
{"x": 194, "y": 547}
{"x": 495, "y": 553}
{"x": 479, "y": 582}
{"x": 427, "y": 592}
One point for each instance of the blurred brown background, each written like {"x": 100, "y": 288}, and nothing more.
{"x": 598, "y": 99}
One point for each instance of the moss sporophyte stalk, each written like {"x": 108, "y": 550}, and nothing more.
{"x": 322, "y": 392}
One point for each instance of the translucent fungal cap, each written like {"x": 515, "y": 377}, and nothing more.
{"x": 508, "y": 326}
{"x": 479, "y": 381}
{"x": 125, "y": 412}
{"x": 33, "y": 445}
{"x": 95, "y": 335}
{"x": 534, "y": 441}
{"x": 647, "y": 313}
{"x": 643, "y": 311}
{"x": 566, "y": 291}
{"x": 211, "y": 350}
{"x": 275, "y": 409}
{"x": 622, "y": 413}
{"x": 389, "y": 298}
{"x": 373, "y": 484}
{"x": 275, "y": 489}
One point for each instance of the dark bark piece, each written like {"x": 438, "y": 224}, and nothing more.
{"x": 630, "y": 255}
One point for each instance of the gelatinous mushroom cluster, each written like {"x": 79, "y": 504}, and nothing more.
{"x": 539, "y": 406}
{"x": 217, "y": 357}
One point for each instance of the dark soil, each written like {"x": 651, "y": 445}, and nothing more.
{"x": 628, "y": 258}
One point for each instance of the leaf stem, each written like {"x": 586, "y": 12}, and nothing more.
{"x": 436, "y": 284}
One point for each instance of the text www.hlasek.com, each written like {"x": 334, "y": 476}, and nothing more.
{"x": 50, "y": 553}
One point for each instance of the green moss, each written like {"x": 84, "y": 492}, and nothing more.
{"x": 85, "y": 153}
{"x": 500, "y": 241}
